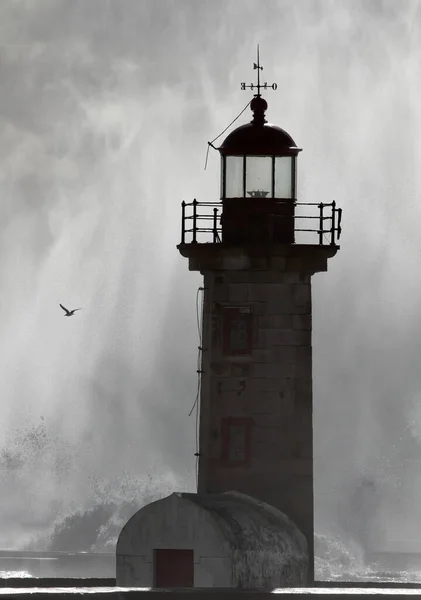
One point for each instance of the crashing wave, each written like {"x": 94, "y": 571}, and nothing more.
{"x": 96, "y": 528}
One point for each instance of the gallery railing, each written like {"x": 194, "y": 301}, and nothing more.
{"x": 313, "y": 223}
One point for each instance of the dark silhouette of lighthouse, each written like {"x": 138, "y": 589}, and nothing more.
{"x": 257, "y": 249}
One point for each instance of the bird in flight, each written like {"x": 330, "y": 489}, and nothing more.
{"x": 69, "y": 313}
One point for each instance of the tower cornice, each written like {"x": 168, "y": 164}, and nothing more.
{"x": 303, "y": 258}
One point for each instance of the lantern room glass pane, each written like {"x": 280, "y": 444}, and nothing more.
{"x": 283, "y": 177}
{"x": 234, "y": 179}
{"x": 259, "y": 176}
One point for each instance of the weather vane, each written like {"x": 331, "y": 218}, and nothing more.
{"x": 259, "y": 86}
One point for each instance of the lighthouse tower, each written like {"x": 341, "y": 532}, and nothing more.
{"x": 256, "y": 405}
{"x": 250, "y": 524}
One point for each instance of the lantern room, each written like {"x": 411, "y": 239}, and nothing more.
{"x": 258, "y": 160}
{"x": 258, "y": 206}
{"x": 258, "y": 181}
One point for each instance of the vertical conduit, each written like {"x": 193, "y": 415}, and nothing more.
{"x": 196, "y": 404}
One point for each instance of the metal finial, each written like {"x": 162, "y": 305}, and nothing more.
{"x": 259, "y": 86}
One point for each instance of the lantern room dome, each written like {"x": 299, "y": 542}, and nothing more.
{"x": 258, "y": 139}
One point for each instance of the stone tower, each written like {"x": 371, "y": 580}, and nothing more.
{"x": 257, "y": 249}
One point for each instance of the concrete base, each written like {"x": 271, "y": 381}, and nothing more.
{"x": 235, "y": 541}
{"x": 357, "y": 593}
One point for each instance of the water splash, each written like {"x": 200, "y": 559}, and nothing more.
{"x": 65, "y": 522}
{"x": 95, "y": 527}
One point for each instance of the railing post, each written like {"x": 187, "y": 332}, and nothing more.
{"x": 215, "y": 225}
{"x": 321, "y": 224}
{"x": 183, "y": 222}
{"x": 339, "y": 228}
{"x": 332, "y": 231}
{"x": 194, "y": 240}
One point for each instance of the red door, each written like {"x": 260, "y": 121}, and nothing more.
{"x": 173, "y": 568}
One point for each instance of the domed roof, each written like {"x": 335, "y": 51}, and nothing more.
{"x": 259, "y": 137}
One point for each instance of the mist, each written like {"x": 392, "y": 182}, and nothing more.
{"x": 106, "y": 109}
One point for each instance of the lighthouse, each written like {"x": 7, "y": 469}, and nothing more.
{"x": 257, "y": 247}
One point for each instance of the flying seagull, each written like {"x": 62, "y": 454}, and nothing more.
{"x": 69, "y": 313}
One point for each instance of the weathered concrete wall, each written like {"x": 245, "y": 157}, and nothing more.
{"x": 272, "y": 386}
{"x": 172, "y": 523}
{"x": 267, "y": 549}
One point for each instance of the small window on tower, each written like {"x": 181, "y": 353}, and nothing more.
{"x": 237, "y": 331}
{"x": 236, "y": 434}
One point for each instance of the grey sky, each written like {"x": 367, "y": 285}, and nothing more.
{"x": 105, "y": 111}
